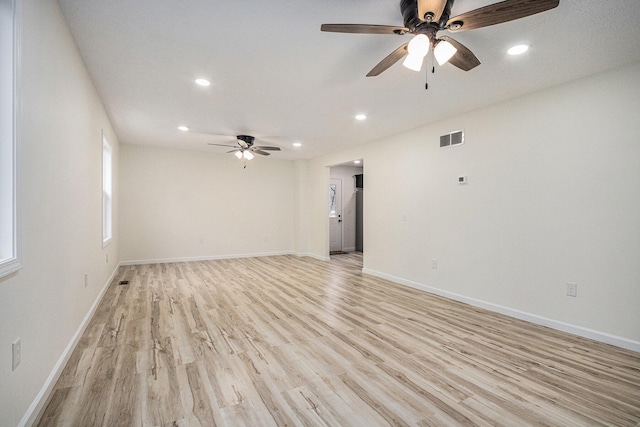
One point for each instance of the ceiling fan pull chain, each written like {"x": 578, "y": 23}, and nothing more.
{"x": 433, "y": 61}
{"x": 426, "y": 79}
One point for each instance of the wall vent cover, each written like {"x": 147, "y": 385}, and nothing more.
{"x": 453, "y": 138}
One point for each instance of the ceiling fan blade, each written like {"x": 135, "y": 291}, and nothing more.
{"x": 430, "y": 10}
{"x": 363, "y": 29}
{"x": 263, "y": 153}
{"x": 242, "y": 144}
{"x": 463, "y": 58}
{"x": 264, "y": 147}
{"x": 387, "y": 62}
{"x": 498, "y": 13}
{"x": 221, "y": 145}
{"x": 233, "y": 151}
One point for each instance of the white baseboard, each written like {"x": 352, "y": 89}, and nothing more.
{"x": 30, "y": 417}
{"x": 203, "y": 258}
{"x": 522, "y": 315}
{"x": 314, "y": 256}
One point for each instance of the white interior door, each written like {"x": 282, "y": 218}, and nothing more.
{"x": 335, "y": 215}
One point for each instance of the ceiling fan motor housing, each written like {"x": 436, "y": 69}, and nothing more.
{"x": 409, "y": 9}
{"x": 247, "y": 139}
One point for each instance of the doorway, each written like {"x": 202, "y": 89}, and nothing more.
{"x": 335, "y": 215}
{"x": 345, "y": 208}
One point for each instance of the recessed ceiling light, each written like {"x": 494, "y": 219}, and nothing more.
{"x": 518, "y": 49}
{"x": 203, "y": 82}
{"x": 297, "y": 144}
{"x": 357, "y": 162}
{"x": 361, "y": 117}
{"x": 183, "y": 128}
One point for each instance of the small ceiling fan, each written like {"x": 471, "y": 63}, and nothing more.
{"x": 425, "y": 18}
{"x": 244, "y": 148}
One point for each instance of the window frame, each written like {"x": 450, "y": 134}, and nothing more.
{"x": 11, "y": 264}
{"x": 107, "y": 191}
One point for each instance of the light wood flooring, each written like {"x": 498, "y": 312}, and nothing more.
{"x": 287, "y": 341}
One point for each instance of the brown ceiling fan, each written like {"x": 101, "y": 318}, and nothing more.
{"x": 244, "y": 148}
{"x": 425, "y": 18}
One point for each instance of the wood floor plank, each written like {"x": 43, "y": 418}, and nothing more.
{"x": 283, "y": 340}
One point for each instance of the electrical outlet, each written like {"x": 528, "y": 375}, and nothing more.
{"x": 15, "y": 352}
{"x": 434, "y": 264}
{"x": 572, "y": 289}
{"x": 107, "y": 258}
{"x": 86, "y": 279}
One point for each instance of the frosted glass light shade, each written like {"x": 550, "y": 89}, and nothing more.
{"x": 238, "y": 154}
{"x": 418, "y": 48}
{"x": 444, "y": 51}
{"x": 419, "y": 45}
{"x": 413, "y": 62}
{"x": 248, "y": 155}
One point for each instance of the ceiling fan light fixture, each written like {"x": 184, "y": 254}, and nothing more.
{"x": 444, "y": 51}
{"x": 247, "y": 155}
{"x": 418, "y": 48}
{"x": 238, "y": 154}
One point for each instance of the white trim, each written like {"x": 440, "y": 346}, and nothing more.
{"x": 204, "y": 258}
{"x": 314, "y": 256}
{"x": 522, "y": 315}
{"x": 107, "y": 187}
{"x": 30, "y": 417}
{"x": 13, "y": 264}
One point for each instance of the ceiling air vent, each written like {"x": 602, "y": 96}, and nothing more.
{"x": 453, "y": 138}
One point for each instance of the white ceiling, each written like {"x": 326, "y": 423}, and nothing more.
{"x": 276, "y": 76}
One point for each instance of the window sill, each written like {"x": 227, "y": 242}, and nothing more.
{"x": 9, "y": 267}
{"x": 107, "y": 242}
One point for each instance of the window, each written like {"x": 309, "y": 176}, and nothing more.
{"x": 9, "y": 207}
{"x": 332, "y": 200}
{"x": 107, "y": 192}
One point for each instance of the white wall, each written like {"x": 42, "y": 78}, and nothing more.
{"x": 346, "y": 175}
{"x": 181, "y": 205}
{"x": 301, "y": 208}
{"x": 553, "y": 196}
{"x": 46, "y": 302}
